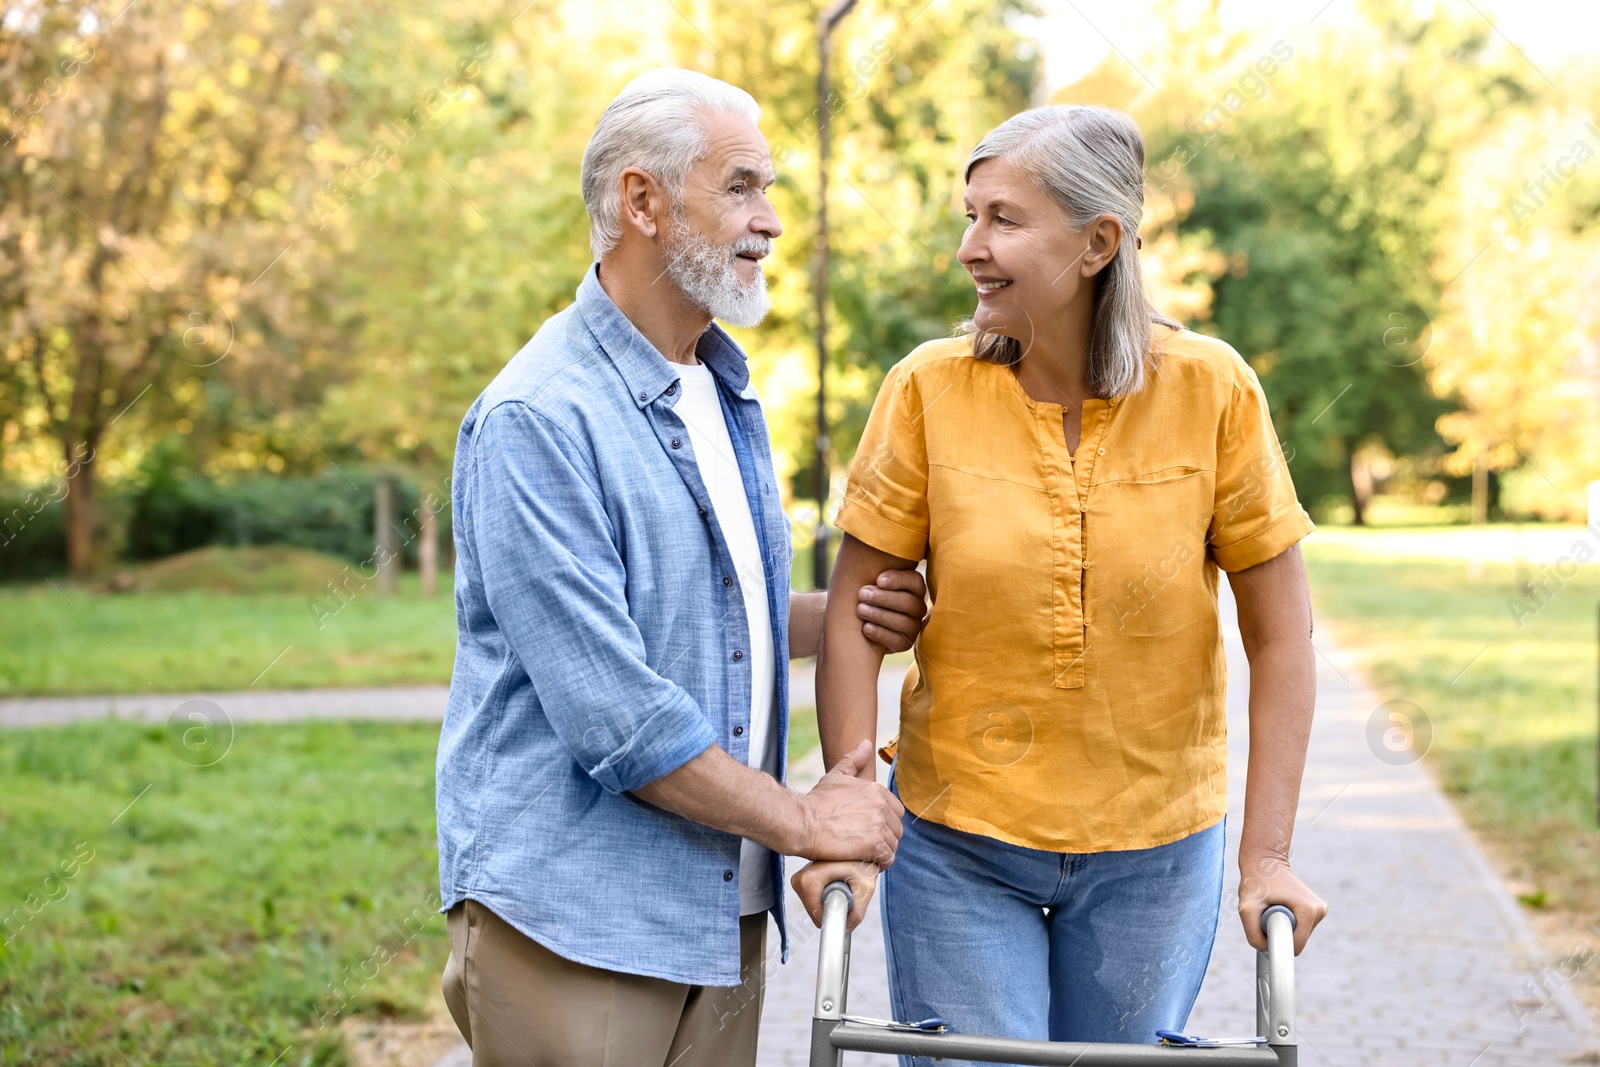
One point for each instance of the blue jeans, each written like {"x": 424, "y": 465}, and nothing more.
{"x": 1018, "y": 942}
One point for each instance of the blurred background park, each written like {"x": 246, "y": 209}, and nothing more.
{"x": 257, "y": 259}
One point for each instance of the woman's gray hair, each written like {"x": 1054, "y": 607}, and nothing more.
{"x": 1090, "y": 161}
{"x": 657, "y": 123}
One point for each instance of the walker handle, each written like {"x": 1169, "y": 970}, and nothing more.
{"x": 833, "y": 972}
{"x": 1275, "y": 984}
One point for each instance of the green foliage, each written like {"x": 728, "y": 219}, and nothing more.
{"x": 1323, "y": 194}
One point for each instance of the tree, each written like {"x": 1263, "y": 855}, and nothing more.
{"x": 148, "y": 230}
{"x": 1518, "y": 342}
{"x": 1317, "y": 171}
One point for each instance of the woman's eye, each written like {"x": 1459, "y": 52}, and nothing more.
{"x": 1002, "y": 218}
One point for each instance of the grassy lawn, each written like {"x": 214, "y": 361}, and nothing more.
{"x": 1508, "y": 681}
{"x": 64, "y": 638}
{"x": 231, "y": 907}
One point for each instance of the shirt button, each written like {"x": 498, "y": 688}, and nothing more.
{"x": 702, "y": 513}
{"x": 726, "y": 580}
{"x": 677, "y": 442}
{"x": 673, "y": 388}
{"x": 738, "y": 731}
{"x": 644, "y": 396}
{"x": 1083, "y": 507}
{"x": 737, "y": 654}
{"x": 727, "y": 876}
{"x": 1099, "y": 451}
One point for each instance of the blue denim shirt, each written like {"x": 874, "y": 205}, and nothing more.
{"x": 601, "y": 646}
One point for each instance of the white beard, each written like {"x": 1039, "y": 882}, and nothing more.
{"x": 708, "y": 273}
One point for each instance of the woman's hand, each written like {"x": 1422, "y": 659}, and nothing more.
{"x": 810, "y": 880}
{"x": 1267, "y": 880}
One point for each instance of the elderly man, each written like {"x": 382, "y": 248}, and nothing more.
{"x": 611, "y": 815}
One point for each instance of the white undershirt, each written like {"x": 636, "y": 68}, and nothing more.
{"x": 701, "y": 412}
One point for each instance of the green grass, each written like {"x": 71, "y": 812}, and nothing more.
{"x": 231, "y": 907}
{"x": 70, "y": 638}
{"x": 218, "y": 918}
{"x": 1512, "y": 706}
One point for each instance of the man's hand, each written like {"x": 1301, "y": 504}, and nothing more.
{"x": 849, "y": 818}
{"x": 894, "y": 610}
{"x": 809, "y": 881}
{"x": 1267, "y": 880}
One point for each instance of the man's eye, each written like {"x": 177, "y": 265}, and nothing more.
{"x": 738, "y": 189}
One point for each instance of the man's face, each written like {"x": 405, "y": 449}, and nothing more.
{"x": 724, "y": 225}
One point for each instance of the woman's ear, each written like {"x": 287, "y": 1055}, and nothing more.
{"x": 1105, "y": 240}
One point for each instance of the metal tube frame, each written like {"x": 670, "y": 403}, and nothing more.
{"x": 831, "y": 1037}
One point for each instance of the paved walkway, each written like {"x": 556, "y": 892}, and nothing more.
{"x": 1424, "y": 959}
{"x": 265, "y": 705}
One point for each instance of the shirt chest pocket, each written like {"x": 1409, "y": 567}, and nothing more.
{"x": 1145, "y": 542}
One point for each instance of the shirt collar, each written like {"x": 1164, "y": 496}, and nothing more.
{"x": 645, "y": 371}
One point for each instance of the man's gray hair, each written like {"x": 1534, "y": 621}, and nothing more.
{"x": 1090, "y": 161}
{"x": 658, "y": 124}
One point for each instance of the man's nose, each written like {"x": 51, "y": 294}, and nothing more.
{"x": 766, "y": 223}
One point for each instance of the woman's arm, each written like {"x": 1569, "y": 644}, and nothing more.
{"x": 891, "y": 613}
{"x": 848, "y": 663}
{"x": 1275, "y": 620}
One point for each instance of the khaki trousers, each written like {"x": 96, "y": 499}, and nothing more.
{"x": 518, "y": 1004}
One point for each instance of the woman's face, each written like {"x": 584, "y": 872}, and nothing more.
{"x": 1028, "y": 262}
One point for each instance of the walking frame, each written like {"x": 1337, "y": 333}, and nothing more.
{"x": 832, "y": 1035}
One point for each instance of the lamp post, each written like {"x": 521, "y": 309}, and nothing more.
{"x": 827, "y": 22}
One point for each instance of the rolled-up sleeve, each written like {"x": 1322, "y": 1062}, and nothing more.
{"x": 1257, "y": 515}
{"x": 556, "y": 584}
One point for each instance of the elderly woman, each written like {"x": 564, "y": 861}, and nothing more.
{"x": 1074, "y": 467}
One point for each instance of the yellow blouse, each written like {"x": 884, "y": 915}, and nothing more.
{"x": 1068, "y": 692}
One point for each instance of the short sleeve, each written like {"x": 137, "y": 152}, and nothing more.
{"x": 886, "y": 497}
{"x": 1257, "y": 515}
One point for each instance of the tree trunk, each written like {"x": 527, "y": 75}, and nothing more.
{"x": 385, "y": 551}
{"x": 1480, "y": 490}
{"x": 81, "y": 490}
{"x": 1360, "y": 487}
{"x": 428, "y": 549}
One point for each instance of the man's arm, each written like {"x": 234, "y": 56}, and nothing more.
{"x": 892, "y": 611}
{"x": 1274, "y": 602}
{"x": 837, "y": 820}
{"x": 557, "y": 587}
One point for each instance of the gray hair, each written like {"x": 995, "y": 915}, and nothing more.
{"x": 657, "y": 123}
{"x": 1090, "y": 161}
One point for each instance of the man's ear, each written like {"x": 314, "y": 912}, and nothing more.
{"x": 643, "y": 202}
